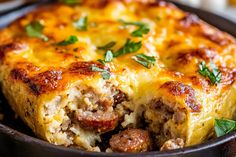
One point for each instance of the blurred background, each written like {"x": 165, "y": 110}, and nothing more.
{"x": 226, "y": 8}
{"x": 6, "y": 5}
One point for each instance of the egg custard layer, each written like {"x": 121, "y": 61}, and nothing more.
{"x": 118, "y": 75}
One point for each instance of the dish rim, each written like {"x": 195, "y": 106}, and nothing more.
{"x": 18, "y": 136}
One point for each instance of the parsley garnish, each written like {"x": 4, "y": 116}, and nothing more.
{"x": 81, "y": 24}
{"x": 224, "y": 126}
{"x": 108, "y": 57}
{"x": 214, "y": 75}
{"x": 140, "y": 31}
{"x": 107, "y": 46}
{"x": 71, "y": 40}
{"x": 71, "y": 2}
{"x": 101, "y": 61}
{"x": 104, "y": 73}
{"x": 142, "y": 28}
{"x": 146, "y": 61}
{"x": 129, "y": 47}
{"x": 35, "y": 29}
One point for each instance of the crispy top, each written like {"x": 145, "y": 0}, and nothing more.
{"x": 178, "y": 41}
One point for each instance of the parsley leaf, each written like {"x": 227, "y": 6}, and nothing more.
{"x": 214, "y": 75}
{"x": 142, "y": 28}
{"x": 129, "y": 47}
{"x": 104, "y": 73}
{"x": 71, "y": 40}
{"x": 108, "y": 57}
{"x": 97, "y": 69}
{"x": 81, "y": 24}
{"x": 71, "y": 2}
{"x": 131, "y": 23}
{"x": 224, "y": 126}
{"x": 101, "y": 61}
{"x": 140, "y": 31}
{"x": 146, "y": 61}
{"x": 35, "y": 29}
{"x": 107, "y": 46}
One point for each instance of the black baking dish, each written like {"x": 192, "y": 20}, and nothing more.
{"x": 16, "y": 139}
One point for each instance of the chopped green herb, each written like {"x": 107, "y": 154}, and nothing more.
{"x": 143, "y": 28}
{"x": 107, "y": 46}
{"x": 35, "y": 29}
{"x": 214, "y": 75}
{"x": 81, "y": 24}
{"x": 131, "y": 23}
{"x": 129, "y": 47}
{"x": 101, "y": 61}
{"x": 146, "y": 61}
{"x": 71, "y": 2}
{"x": 108, "y": 57}
{"x": 76, "y": 56}
{"x": 140, "y": 31}
{"x": 71, "y": 40}
{"x": 104, "y": 73}
{"x": 97, "y": 69}
{"x": 224, "y": 126}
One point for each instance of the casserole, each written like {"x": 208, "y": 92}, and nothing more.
{"x": 168, "y": 85}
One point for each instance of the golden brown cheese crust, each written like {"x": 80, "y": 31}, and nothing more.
{"x": 51, "y": 79}
{"x": 211, "y": 37}
{"x": 179, "y": 41}
{"x": 185, "y": 91}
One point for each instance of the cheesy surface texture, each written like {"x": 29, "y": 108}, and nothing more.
{"x": 76, "y": 73}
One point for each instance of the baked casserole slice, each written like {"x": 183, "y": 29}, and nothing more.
{"x": 118, "y": 75}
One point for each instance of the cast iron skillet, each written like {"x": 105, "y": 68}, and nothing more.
{"x": 17, "y": 140}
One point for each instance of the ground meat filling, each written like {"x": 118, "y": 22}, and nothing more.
{"x": 173, "y": 144}
{"x": 98, "y": 121}
{"x": 119, "y": 97}
{"x": 164, "y": 112}
{"x": 88, "y": 115}
{"x": 100, "y": 116}
{"x": 131, "y": 140}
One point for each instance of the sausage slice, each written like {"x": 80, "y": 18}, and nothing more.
{"x": 97, "y": 121}
{"x": 131, "y": 140}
